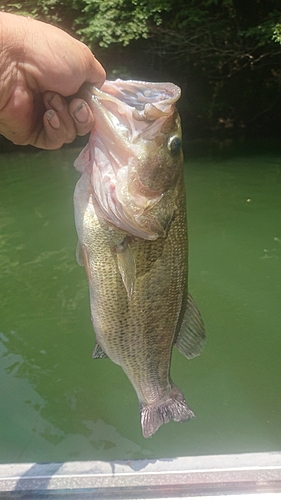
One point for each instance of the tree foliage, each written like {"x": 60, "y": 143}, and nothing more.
{"x": 119, "y": 20}
{"x": 277, "y": 33}
{"x": 210, "y": 24}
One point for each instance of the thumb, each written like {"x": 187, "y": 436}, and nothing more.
{"x": 95, "y": 73}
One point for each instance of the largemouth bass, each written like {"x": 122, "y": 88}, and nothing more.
{"x": 130, "y": 217}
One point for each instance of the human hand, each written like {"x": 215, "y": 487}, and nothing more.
{"x": 41, "y": 67}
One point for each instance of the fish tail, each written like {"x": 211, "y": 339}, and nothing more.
{"x": 154, "y": 415}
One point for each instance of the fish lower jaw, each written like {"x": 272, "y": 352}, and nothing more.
{"x": 158, "y": 413}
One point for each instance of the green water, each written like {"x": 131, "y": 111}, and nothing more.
{"x": 56, "y": 402}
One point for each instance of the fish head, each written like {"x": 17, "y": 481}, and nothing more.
{"x": 158, "y": 156}
{"x": 134, "y": 156}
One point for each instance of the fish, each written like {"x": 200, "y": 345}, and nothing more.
{"x": 130, "y": 216}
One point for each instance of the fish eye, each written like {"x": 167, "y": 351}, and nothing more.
{"x": 174, "y": 145}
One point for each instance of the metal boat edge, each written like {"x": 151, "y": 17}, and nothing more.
{"x": 171, "y": 478}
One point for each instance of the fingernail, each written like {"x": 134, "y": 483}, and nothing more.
{"x": 56, "y": 102}
{"x": 53, "y": 119}
{"x": 81, "y": 113}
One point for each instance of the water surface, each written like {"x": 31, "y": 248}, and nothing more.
{"x": 56, "y": 402}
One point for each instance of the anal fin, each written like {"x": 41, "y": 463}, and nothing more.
{"x": 192, "y": 336}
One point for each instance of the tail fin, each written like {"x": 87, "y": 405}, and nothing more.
{"x": 175, "y": 407}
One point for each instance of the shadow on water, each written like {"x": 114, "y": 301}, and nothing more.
{"x": 57, "y": 403}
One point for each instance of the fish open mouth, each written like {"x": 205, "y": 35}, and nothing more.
{"x": 138, "y": 94}
{"x": 129, "y": 118}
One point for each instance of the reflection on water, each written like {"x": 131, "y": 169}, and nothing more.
{"x": 57, "y": 403}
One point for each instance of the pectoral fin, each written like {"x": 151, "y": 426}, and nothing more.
{"x": 192, "y": 336}
{"x": 79, "y": 254}
{"x": 82, "y": 257}
{"x": 126, "y": 266}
